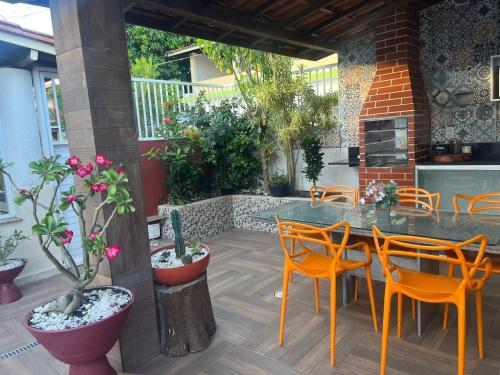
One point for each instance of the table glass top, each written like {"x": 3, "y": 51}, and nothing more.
{"x": 444, "y": 225}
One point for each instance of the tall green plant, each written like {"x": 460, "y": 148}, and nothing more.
{"x": 251, "y": 70}
{"x": 313, "y": 157}
{"x": 295, "y": 110}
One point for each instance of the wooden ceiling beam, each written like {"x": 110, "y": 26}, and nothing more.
{"x": 337, "y": 17}
{"x": 373, "y": 16}
{"x": 161, "y": 22}
{"x": 309, "y": 11}
{"x": 229, "y": 19}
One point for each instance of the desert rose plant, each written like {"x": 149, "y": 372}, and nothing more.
{"x": 8, "y": 246}
{"x": 98, "y": 176}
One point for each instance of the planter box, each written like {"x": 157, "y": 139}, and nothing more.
{"x": 209, "y": 217}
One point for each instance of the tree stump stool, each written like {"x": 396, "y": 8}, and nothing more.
{"x": 185, "y": 317}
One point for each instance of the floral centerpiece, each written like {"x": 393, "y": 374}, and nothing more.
{"x": 383, "y": 195}
{"x": 80, "y": 307}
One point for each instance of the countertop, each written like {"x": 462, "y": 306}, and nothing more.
{"x": 474, "y": 161}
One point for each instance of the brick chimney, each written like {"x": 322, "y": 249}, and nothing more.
{"x": 397, "y": 91}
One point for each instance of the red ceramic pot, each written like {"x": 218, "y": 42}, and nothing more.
{"x": 183, "y": 274}
{"x": 9, "y": 292}
{"x": 84, "y": 348}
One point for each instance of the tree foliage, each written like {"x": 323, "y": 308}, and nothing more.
{"x": 145, "y": 42}
{"x": 251, "y": 70}
{"x": 295, "y": 110}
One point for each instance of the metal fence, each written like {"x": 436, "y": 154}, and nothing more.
{"x": 151, "y": 94}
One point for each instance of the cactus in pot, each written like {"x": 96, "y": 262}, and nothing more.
{"x": 180, "y": 247}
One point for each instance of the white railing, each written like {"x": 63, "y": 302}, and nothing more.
{"x": 151, "y": 94}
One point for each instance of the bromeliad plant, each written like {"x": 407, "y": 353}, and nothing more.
{"x": 8, "y": 246}
{"x": 383, "y": 195}
{"x": 99, "y": 177}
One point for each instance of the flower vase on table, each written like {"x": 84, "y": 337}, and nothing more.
{"x": 384, "y": 196}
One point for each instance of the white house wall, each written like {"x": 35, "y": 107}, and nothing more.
{"x": 20, "y": 144}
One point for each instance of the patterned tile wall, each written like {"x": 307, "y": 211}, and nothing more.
{"x": 356, "y": 71}
{"x": 458, "y": 37}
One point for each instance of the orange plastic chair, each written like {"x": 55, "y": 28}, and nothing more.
{"x": 480, "y": 203}
{"x": 316, "y": 266}
{"x": 429, "y": 287}
{"x": 336, "y": 194}
{"x": 419, "y": 197}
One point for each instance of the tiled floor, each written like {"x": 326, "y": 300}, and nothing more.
{"x": 244, "y": 273}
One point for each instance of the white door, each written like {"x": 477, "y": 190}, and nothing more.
{"x": 53, "y": 134}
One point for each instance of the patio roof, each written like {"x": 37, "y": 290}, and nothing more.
{"x": 297, "y": 28}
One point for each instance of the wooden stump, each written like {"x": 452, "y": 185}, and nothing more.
{"x": 185, "y": 317}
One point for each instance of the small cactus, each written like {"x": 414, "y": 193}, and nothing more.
{"x": 180, "y": 248}
{"x": 187, "y": 259}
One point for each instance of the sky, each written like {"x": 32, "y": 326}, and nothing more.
{"x": 28, "y": 16}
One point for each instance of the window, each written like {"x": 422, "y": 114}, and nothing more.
{"x": 55, "y": 111}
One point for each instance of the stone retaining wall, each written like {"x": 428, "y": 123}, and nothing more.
{"x": 209, "y": 217}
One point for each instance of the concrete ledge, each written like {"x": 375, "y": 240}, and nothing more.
{"x": 209, "y": 217}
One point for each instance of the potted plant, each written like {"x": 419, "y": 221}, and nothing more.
{"x": 177, "y": 263}
{"x": 10, "y": 268}
{"x": 313, "y": 158}
{"x": 82, "y": 325}
{"x": 279, "y": 185}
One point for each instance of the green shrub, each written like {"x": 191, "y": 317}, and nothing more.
{"x": 278, "y": 179}
{"x": 313, "y": 157}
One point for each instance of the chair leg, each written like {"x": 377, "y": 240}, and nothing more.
{"x": 333, "y": 316}
{"x": 447, "y": 305}
{"x": 461, "y": 306}
{"x": 316, "y": 293}
{"x": 446, "y": 314}
{"x": 369, "y": 282}
{"x": 479, "y": 318}
{"x": 385, "y": 329}
{"x": 356, "y": 287}
{"x": 413, "y": 309}
{"x": 400, "y": 312}
{"x": 286, "y": 279}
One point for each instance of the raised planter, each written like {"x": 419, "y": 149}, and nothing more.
{"x": 9, "y": 292}
{"x": 279, "y": 190}
{"x": 84, "y": 348}
{"x": 209, "y": 217}
{"x": 183, "y": 274}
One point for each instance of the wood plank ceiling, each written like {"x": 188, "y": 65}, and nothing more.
{"x": 309, "y": 29}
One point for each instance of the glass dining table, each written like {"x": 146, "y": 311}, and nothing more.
{"x": 446, "y": 225}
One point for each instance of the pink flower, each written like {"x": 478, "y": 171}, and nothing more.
{"x": 108, "y": 163}
{"x": 95, "y": 188}
{"x": 120, "y": 171}
{"x": 82, "y": 171}
{"x": 74, "y": 162}
{"x": 186, "y": 132}
{"x": 103, "y": 186}
{"x": 89, "y": 168}
{"x": 68, "y": 238}
{"x": 100, "y": 159}
{"x": 93, "y": 235}
{"x": 112, "y": 252}
{"x": 167, "y": 120}
{"x": 23, "y": 191}
{"x": 71, "y": 198}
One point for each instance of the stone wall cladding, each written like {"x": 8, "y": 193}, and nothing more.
{"x": 207, "y": 218}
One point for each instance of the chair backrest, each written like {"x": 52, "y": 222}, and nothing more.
{"x": 421, "y": 197}
{"x": 336, "y": 193}
{"x": 302, "y": 234}
{"x": 478, "y": 203}
{"x": 390, "y": 248}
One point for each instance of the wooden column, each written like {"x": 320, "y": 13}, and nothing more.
{"x": 96, "y": 90}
